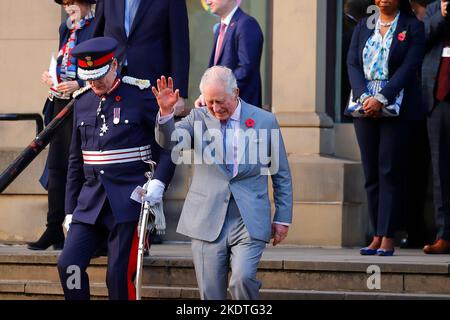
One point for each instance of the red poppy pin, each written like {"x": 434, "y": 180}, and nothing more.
{"x": 402, "y": 36}
{"x": 118, "y": 98}
{"x": 250, "y": 123}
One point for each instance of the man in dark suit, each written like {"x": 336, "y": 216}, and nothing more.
{"x": 238, "y": 45}
{"x": 153, "y": 38}
{"x": 436, "y": 89}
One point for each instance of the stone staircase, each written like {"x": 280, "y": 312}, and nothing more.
{"x": 287, "y": 273}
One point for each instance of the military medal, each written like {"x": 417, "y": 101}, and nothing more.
{"x": 116, "y": 116}
{"x": 104, "y": 128}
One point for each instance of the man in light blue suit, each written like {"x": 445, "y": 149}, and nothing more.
{"x": 227, "y": 212}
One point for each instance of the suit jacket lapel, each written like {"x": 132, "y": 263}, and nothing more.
{"x": 401, "y": 27}
{"x": 141, "y": 12}
{"x": 366, "y": 34}
{"x": 245, "y": 115}
{"x": 229, "y": 33}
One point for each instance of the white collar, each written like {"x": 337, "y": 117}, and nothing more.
{"x": 228, "y": 18}
{"x": 237, "y": 113}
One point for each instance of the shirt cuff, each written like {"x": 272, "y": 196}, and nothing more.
{"x": 382, "y": 99}
{"x": 282, "y": 223}
{"x": 165, "y": 119}
{"x": 363, "y": 97}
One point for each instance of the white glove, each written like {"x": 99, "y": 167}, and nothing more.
{"x": 67, "y": 222}
{"x": 155, "y": 191}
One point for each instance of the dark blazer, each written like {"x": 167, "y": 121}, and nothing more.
{"x": 241, "y": 52}
{"x": 436, "y": 28}
{"x": 158, "y": 43}
{"x": 405, "y": 61}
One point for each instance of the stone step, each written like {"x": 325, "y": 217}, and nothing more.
{"x": 10, "y": 290}
{"x": 288, "y": 270}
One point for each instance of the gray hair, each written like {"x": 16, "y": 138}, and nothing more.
{"x": 221, "y": 75}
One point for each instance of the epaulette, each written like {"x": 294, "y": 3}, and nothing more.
{"x": 81, "y": 91}
{"x": 142, "y": 84}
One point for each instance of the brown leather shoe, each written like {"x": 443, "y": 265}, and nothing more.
{"x": 441, "y": 246}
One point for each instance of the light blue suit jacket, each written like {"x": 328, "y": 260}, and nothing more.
{"x": 206, "y": 204}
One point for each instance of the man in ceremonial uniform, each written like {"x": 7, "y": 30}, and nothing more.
{"x": 113, "y": 136}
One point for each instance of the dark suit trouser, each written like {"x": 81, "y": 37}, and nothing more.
{"x": 439, "y": 135}
{"x": 58, "y": 162}
{"x": 382, "y": 143}
{"x": 81, "y": 242}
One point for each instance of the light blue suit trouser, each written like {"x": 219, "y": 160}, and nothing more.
{"x": 234, "y": 248}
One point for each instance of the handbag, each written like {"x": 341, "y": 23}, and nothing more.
{"x": 356, "y": 110}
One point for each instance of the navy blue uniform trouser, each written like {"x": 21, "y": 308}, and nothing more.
{"x": 82, "y": 241}
{"x": 439, "y": 135}
{"x": 383, "y": 146}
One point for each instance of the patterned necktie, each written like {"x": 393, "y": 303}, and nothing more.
{"x": 443, "y": 82}
{"x": 228, "y": 150}
{"x": 223, "y": 28}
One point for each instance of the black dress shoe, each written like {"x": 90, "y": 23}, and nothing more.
{"x": 53, "y": 236}
{"x": 155, "y": 238}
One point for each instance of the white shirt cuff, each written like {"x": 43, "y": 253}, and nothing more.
{"x": 165, "y": 119}
{"x": 282, "y": 223}
{"x": 382, "y": 99}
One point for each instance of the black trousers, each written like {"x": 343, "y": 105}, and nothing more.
{"x": 82, "y": 240}
{"x": 383, "y": 146}
{"x": 417, "y": 176}
{"x": 439, "y": 135}
{"x": 58, "y": 161}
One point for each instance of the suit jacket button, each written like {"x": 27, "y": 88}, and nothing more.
{"x": 102, "y": 172}
{"x": 227, "y": 200}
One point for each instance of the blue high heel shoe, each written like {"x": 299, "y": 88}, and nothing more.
{"x": 367, "y": 251}
{"x": 385, "y": 253}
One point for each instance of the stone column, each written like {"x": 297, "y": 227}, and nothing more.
{"x": 28, "y": 37}
{"x": 328, "y": 191}
{"x": 298, "y": 85}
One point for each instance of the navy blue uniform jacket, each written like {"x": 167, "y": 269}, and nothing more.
{"x": 158, "y": 43}
{"x": 89, "y": 185}
{"x": 405, "y": 62}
